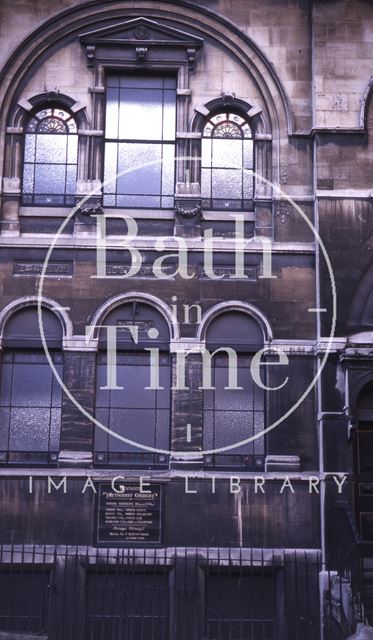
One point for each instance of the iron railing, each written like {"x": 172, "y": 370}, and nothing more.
{"x": 80, "y": 593}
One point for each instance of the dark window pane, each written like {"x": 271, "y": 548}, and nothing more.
{"x": 51, "y": 200}
{"x": 134, "y": 393}
{"x": 32, "y": 396}
{"x": 135, "y": 424}
{"x": 366, "y": 523}
{"x": 162, "y": 429}
{"x": 141, "y": 82}
{"x": 32, "y": 385}
{"x": 6, "y": 385}
{"x": 134, "y": 412}
{"x": 101, "y": 436}
{"x": 233, "y": 415}
{"x": 365, "y": 447}
{"x": 112, "y": 81}
{"x": 29, "y": 429}
{"x": 55, "y": 426}
{"x": 4, "y": 428}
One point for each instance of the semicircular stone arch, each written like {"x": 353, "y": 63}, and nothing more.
{"x": 64, "y": 26}
{"x": 128, "y": 307}
{"x": 246, "y": 323}
{"x": 20, "y": 317}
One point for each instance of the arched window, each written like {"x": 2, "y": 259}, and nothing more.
{"x": 133, "y": 410}
{"x": 227, "y": 162}
{"x": 233, "y": 415}
{"x": 30, "y": 395}
{"x": 50, "y": 158}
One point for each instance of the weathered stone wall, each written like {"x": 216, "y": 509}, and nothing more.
{"x": 307, "y": 66}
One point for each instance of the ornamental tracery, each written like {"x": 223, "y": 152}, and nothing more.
{"x": 227, "y": 125}
{"x": 52, "y": 120}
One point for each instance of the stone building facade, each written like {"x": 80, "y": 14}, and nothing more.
{"x": 179, "y": 178}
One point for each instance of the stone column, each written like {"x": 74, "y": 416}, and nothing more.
{"x": 187, "y": 416}
{"x": 77, "y": 430}
{"x": 11, "y": 187}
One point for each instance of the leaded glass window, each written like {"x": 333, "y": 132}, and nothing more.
{"x": 140, "y": 141}
{"x": 50, "y": 158}
{"x": 30, "y": 407}
{"x": 234, "y": 415}
{"x": 133, "y": 410}
{"x": 227, "y": 162}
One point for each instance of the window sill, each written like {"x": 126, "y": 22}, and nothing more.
{"x": 226, "y": 216}
{"x": 44, "y": 212}
{"x": 154, "y": 214}
{"x": 140, "y": 214}
{"x": 63, "y": 212}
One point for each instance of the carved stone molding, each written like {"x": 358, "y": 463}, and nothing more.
{"x": 283, "y": 212}
{"x": 160, "y": 45}
{"x": 190, "y": 211}
{"x": 11, "y": 186}
{"x": 90, "y": 209}
{"x": 141, "y": 53}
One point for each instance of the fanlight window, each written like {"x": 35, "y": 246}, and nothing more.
{"x": 50, "y": 158}
{"x": 227, "y": 163}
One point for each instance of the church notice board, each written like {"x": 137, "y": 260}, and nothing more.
{"x": 129, "y": 517}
